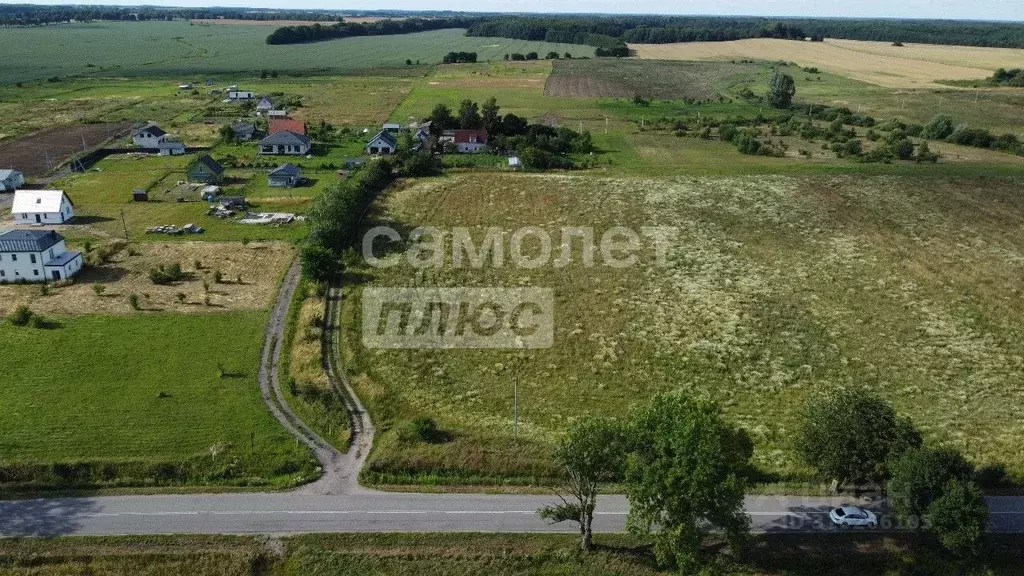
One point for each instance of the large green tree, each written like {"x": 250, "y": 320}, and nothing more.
{"x": 684, "y": 476}
{"x": 781, "y": 89}
{"x": 958, "y": 517}
{"x": 490, "y": 115}
{"x": 851, "y": 436}
{"x": 469, "y": 114}
{"x": 919, "y": 477}
{"x": 591, "y": 453}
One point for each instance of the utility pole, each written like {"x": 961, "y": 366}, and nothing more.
{"x": 125, "y": 227}
{"x": 605, "y": 124}
{"x": 515, "y": 408}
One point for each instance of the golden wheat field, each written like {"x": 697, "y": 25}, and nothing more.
{"x": 910, "y": 66}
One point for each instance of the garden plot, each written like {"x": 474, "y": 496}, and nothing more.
{"x": 249, "y": 275}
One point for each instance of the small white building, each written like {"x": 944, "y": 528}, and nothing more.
{"x": 11, "y": 180}
{"x": 171, "y": 148}
{"x": 393, "y": 127}
{"x": 237, "y": 94}
{"x": 265, "y": 104}
{"x": 42, "y": 207}
{"x": 36, "y": 256}
{"x": 149, "y": 137}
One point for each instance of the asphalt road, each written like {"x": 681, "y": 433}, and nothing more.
{"x": 289, "y": 513}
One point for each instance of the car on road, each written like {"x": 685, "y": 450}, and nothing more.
{"x": 853, "y": 516}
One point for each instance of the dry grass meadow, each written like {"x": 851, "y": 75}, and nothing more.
{"x": 258, "y": 264}
{"x": 910, "y": 66}
{"x": 777, "y": 287}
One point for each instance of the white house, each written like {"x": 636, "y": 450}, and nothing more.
{"x": 36, "y": 256}
{"x": 237, "y": 94}
{"x": 149, "y": 137}
{"x": 171, "y": 148}
{"x": 265, "y": 104}
{"x": 383, "y": 142}
{"x": 42, "y": 207}
{"x": 11, "y": 180}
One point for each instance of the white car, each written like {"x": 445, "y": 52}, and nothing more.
{"x": 853, "y": 516}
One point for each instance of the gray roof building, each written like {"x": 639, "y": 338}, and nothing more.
{"x": 28, "y": 240}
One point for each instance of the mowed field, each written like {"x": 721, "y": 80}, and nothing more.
{"x": 157, "y": 398}
{"x": 777, "y": 287}
{"x": 911, "y": 66}
{"x": 167, "y": 48}
{"x": 603, "y": 78}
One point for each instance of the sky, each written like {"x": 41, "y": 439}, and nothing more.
{"x": 957, "y": 9}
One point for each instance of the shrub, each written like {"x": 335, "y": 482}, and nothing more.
{"x": 21, "y": 316}
{"x": 217, "y": 276}
{"x": 133, "y": 301}
{"x": 938, "y": 128}
{"x": 420, "y": 429}
{"x": 99, "y": 289}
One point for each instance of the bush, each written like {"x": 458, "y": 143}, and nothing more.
{"x": 165, "y": 274}
{"x": 133, "y": 301}
{"x": 420, "y": 429}
{"x": 938, "y": 128}
{"x": 21, "y": 316}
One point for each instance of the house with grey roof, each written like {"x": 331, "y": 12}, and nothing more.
{"x": 285, "y": 176}
{"x": 11, "y": 180}
{"x": 171, "y": 148}
{"x": 286, "y": 143}
{"x": 36, "y": 256}
{"x": 206, "y": 170}
{"x": 244, "y": 131}
{"x": 383, "y": 142}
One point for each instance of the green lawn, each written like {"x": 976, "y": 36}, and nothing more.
{"x": 140, "y": 391}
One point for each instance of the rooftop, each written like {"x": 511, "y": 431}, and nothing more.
{"x": 28, "y": 240}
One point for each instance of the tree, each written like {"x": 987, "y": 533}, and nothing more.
{"x": 902, "y": 149}
{"x": 958, "y": 517}
{"x": 781, "y": 90}
{"x": 918, "y": 479}
{"x": 939, "y": 127}
{"x": 591, "y": 452}
{"x": 850, "y": 436}
{"x": 469, "y": 114}
{"x": 227, "y": 134}
{"x": 685, "y": 475}
{"x": 489, "y": 115}
{"x": 319, "y": 263}
{"x": 513, "y": 125}
{"x": 441, "y": 118}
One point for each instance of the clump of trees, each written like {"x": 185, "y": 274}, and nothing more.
{"x": 457, "y": 58}
{"x": 1011, "y": 77}
{"x": 684, "y": 469}
{"x": 318, "y": 32}
{"x": 538, "y": 146}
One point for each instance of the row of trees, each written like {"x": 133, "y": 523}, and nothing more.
{"x": 686, "y": 470}
{"x": 610, "y": 32}
{"x": 317, "y": 32}
{"x": 943, "y": 127}
{"x": 29, "y": 15}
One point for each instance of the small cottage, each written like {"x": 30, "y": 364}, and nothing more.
{"x": 42, "y": 207}
{"x": 285, "y": 176}
{"x": 470, "y": 141}
{"x": 286, "y": 143}
{"x": 140, "y": 196}
{"x": 11, "y": 180}
{"x": 149, "y": 136}
{"x": 205, "y": 169}
{"x": 236, "y": 94}
{"x": 383, "y": 142}
{"x": 244, "y": 131}
{"x": 265, "y": 104}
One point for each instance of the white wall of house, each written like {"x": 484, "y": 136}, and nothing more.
{"x": 65, "y": 214}
{"x": 470, "y": 147}
{"x": 296, "y": 149}
{"x": 31, "y": 266}
{"x": 148, "y": 140}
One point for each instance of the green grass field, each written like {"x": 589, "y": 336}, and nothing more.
{"x": 778, "y": 286}
{"x": 182, "y": 48}
{"x": 473, "y": 554}
{"x": 144, "y": 391}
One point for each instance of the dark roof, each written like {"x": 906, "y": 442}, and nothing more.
{"x": 286, "y": 170}
{"x": 387, "y": 137}
{"x": 62, "y": 259}
{"x": 28, "y": 240}
{"x": 152, "y": 129}
{"x": 285, "y": 138}
{"x": 210, "y": 163}
{"x": 243, "y": 127}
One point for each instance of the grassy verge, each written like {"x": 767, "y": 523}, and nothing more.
{"x": 305, "y": 385}
{"x": 141, "y": 400}
{"x": 491, "y": 554}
